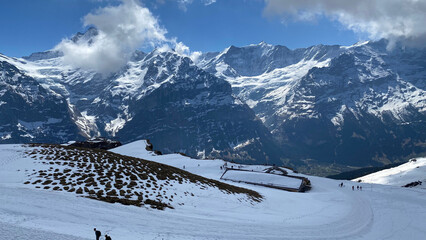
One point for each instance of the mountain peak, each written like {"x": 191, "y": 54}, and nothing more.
{"x": 87, "y": 36}
{"x": 232, "y": 47}
{"x": 43, "y": 55}
{"x": 264, "y": 44}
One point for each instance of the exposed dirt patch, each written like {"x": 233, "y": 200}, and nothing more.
{"x": 114, "y": 178}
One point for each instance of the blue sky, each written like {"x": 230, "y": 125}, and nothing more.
{"x": 37, "y": 25}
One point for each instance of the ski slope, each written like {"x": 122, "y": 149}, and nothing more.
{"x": 414, "y": 170}
{"x": 325, "y": 212}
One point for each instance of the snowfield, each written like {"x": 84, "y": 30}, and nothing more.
{"x": 414, "y": 170}
{"x": 325, "y": 212}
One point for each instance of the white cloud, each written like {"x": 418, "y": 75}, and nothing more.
{"x": 208, "y": 2}
{"x": 396, "y": 20}
{"x": 184, "y": 3}
{"x": 195, "y": 56}
{"x": 180, "y": 49}
{"x": 183, "y": 50}
{"x": 122, "y": 29}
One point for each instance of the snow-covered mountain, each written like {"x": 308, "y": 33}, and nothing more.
{"x": 161, "y": 96}
{"x": 359, "y": 105}
{"x": 30, "y": 112}
{"x": 255, "y": 60}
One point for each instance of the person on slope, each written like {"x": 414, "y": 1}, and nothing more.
{"x": 97, "y": 234}
{"x": 107, "y": 237}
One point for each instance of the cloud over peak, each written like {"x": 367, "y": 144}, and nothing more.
{"x": 120, "y": 31}
{"x": 395, "y": 20}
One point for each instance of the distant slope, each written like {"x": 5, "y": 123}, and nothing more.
{"x": 210, "y": 168}
{"x": 412, "y": 171}
{"x": 349, "y": 175}
{"x": 265, "y": 175}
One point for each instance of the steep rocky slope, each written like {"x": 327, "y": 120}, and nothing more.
{"x": 359, "y": 105}
{"x": 31, "y": 113}
{"x": 162, "y": 96}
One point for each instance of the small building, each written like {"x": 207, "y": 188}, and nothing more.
{"x": 283, "y": 182}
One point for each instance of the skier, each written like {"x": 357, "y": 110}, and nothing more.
{"x": 360, "y": 188}
{"x": 107, "y": 237}
{"x": 97, "y": 233}
{"x": 353, "y": 188}
{"x": 357, "y": 187}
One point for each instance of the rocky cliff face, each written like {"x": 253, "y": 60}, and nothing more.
{"x": 194, "y": 112}
{"x": 29, "y": 112}
{"x": 161, "y": 96}
{"x": 348, "y": 106}
{"x": 358, "y": 105}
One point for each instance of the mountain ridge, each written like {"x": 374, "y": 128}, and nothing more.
{"x": 166, "y": 93}
{"x": 337, "y": 95}
{"x": 308, "y": 106}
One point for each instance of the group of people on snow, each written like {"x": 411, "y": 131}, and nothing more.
{"x": 353, "y": 187}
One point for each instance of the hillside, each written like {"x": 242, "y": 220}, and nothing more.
{"x": 114, "y": 178}
{"x": 325, "y": 212}
{"x": 352, "y": 174}
{"x": 414, "y": 171}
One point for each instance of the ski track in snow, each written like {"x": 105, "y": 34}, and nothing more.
{"x": 326, "y": 212}
{"x": 9, "y": 232}
{"x": 169, "y": 225}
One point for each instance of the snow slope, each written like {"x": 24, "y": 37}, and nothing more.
{"x": 325, "y": 212}
{"x": 414, "y": 170}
